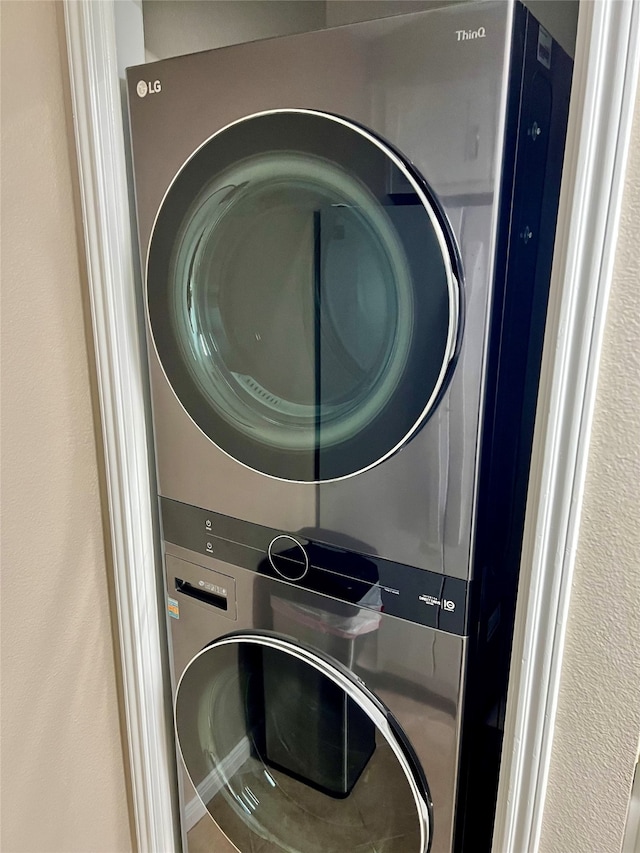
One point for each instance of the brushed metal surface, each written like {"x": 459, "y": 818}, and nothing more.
{"x": 438, "y": 100}
{"x": 415, "y": 671}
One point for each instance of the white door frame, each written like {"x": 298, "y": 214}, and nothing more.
{"x": 603, "y": 97}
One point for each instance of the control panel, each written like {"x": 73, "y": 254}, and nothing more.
{"x": 421, "y": 596}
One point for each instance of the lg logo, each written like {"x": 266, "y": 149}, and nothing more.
{"x": 148, "y": 88}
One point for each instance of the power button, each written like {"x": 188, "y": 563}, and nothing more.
{"x": 288, "y": 558}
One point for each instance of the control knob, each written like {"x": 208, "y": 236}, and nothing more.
{"x": 288, "y": 558}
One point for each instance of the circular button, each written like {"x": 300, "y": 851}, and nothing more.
{"x": 288, "y": 558}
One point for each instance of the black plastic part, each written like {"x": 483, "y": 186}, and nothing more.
{"x": 297, "y": 699}
{"x": 202, "y": 595}
{"x": 534, "y": 148}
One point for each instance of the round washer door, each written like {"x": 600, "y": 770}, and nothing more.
{"x": 303, "y": 292}
{"x": 289, "y": 752}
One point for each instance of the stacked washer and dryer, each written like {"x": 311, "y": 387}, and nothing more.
{"x": 346, "y": 239}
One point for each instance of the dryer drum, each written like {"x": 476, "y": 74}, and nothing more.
{"x": 283, "y": 743}
{"x": 292, "y": 262}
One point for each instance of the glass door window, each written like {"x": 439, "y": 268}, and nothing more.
{"x": 289, "y": 752}
{"x": 303, "y": 294}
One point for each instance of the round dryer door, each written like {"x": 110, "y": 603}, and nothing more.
{"x": 290, "y": 753}
{"x": 303, "y": 293}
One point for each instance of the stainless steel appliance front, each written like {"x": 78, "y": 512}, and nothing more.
{"x": 305, "y": 241}
{"x": 347, "y": 266}
{"x": 306, "y": 724}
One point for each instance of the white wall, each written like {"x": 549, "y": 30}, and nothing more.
{"x": 63, "y": 778}
{"x": 598, "y": 720}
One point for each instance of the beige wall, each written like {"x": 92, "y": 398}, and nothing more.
{"x": 598, "y": 720}
{"x": 63, "y": 779}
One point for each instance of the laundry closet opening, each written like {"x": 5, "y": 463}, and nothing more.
{"x": 346, "y": 267}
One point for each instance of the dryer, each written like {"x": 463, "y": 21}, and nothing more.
{"x": 346, "y": 241}
{"x": 307, "y": 718}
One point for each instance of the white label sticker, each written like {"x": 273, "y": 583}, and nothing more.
{"x": 544, "y": 47}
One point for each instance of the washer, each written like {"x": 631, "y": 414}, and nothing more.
{"x": 305, "y": 716}
{"x": 346, "y": 269}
